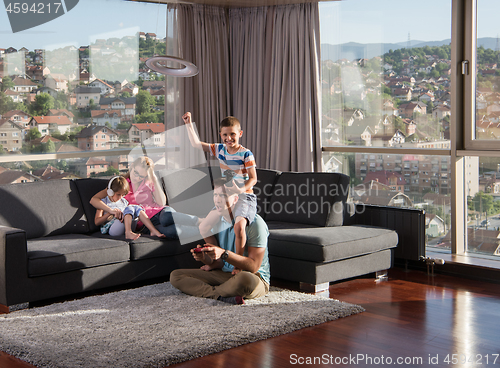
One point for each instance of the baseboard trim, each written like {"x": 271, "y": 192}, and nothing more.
{"x": 12, "y": 308}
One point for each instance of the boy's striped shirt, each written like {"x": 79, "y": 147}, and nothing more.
{"x": 239, "y": 162}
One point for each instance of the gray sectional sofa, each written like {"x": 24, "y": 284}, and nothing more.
{"x": 308, "y": 242}
{"x": 50, "y": 246}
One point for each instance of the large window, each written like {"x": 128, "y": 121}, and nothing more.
{"x": 487, "y": 98}
{"x": 76, "y": 94}
{"x": 483, "y": 205}
{"x": 386, "y": 83}
{"x": 410, "y": 102}
{"x": 386, "y": 105}
{"x": 411, "y": 113}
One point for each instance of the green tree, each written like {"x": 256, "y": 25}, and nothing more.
{"x": 123, "y": 125}
{"x": 61, "y": 137}
{"x": 399, "y": 124}
{"x": 430, "y": 107}
{"x": 6, "y": 83}
{"x": 160, "y": 101}
{"x": 482, "y": 202}
{"x": 62, "y": 165}
{"x": 33, "y": 134}
{"x": 74, "y": 132}
{"x": 43, "y": 103}
{"x": 6, "y": 103}
{"x": 144, "y": 102}
{"x": 48, "y": 147}
{"x": 111, "y": 171}
{"x": 148, "y": 117}
{"x": 61, "y": 101}
{"x": 92, "y": 105}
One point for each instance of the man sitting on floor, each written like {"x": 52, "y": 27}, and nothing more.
{"x": 217, "y": 278}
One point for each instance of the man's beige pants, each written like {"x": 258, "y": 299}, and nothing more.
{"x": 215, "y": 283}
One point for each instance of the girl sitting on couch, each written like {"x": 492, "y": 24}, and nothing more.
{"x": 112, "y": 222}
{"x": 145, "y": 190}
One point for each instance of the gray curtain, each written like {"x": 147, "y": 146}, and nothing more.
{"x": 261, "y": 65}
{"x": 202, "y": 36}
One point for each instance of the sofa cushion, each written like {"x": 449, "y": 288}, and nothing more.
{"x": 264, "y": 189}
{"x": 309, "y": 198}
{"x": 189, "y": 190}
{"x": 43, "y": 208}
{"x": 87, "y": 188}
{"x": 56, "y": 254}
{"x": 326, "y": 244}
{"x": 280, "y": 225}
{"x": 151, "y": 247}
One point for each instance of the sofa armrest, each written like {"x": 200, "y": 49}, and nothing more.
{"x": 409, "y": 224}
{"x": 13, "y": 265}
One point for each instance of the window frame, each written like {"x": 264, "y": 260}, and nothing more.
{"x": 463, "y": 43}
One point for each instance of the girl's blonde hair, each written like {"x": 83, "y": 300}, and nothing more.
{"x": 144, "y": 162}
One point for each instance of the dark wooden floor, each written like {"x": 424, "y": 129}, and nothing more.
{"x": 411, "y": 320}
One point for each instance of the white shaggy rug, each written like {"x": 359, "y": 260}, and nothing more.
{"x": 155, "y": 326}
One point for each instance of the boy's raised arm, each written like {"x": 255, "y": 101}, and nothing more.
{"x": 193, "y": 137}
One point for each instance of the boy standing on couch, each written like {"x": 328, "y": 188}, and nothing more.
{"x": 234, "y": 160}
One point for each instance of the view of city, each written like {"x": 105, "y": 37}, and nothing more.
{"x": 102, "y": 97}
{"x": 401, "y": 99}
{"x": 53, "y": 102}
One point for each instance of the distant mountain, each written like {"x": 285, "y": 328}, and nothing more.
{"x": 353, "y": 50}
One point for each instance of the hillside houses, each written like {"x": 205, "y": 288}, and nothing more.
{"x": 105, "y": 87}
{"x": 92, "y": 166}
{"x": 441, "y": 112}
{"x": 11, "y": 135}
{"x": 126, "y": 105}
{"x": 15, "y": 96}
{"x": 49, "y": 124}
{"x": 19, "y": 117}
{"x": 61, "y": 112}
{"x": 16, "y": 177}
{"x": 57, "y": 82}
{"x": 97, "y": 137}
{"x": 101, "y": 117}
{"x": 150, "y": 133}
{"x": 384, "y": 198}
{"x": 23, "y": 85}
{"x": 409, "y": 110}
{"x": 85, "y": 94}
{"x": 51, "y": 173}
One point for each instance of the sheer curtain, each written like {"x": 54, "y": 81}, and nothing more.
{"x": 261, "y": 65}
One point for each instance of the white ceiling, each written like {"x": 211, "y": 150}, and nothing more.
{"x": 235, "y": 3}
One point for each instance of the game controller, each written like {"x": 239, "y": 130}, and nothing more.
{"x": 198, "y": 250}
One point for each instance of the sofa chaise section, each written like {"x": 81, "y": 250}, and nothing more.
{"x": 308, "y": 242}
{"x": 50, "y": 246}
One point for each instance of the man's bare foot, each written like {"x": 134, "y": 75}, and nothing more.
{"x": 131, "y": 235}
{"x": 157, "y": 233}
{"x": 205, "y": 268}
{"x": 235, "y": 271}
